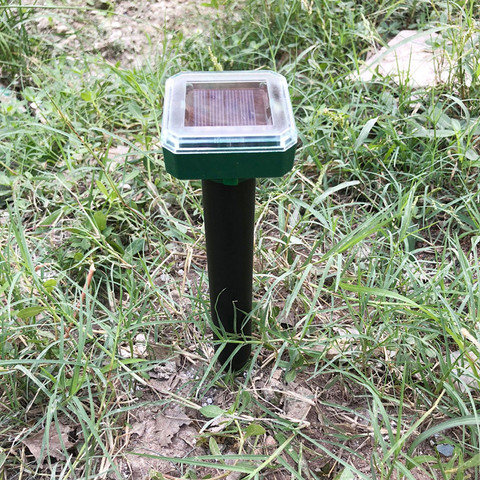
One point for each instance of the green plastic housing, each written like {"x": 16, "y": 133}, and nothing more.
{"x": 228, "y": 168}
{"x": 227, "y": 126}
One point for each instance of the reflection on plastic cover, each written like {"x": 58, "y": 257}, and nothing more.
{"x": 227, "y": 105}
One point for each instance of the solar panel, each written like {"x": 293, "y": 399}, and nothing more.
{"x": 227, "y": 105}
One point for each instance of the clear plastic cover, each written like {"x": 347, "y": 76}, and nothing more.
{"x": 213, "y": 112}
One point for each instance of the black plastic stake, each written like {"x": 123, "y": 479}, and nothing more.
{"x": 229, "y": 212}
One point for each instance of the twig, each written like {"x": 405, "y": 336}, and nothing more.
{"x": 88, "y": 281}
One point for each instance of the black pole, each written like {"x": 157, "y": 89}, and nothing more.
{"x": 229, "y": 223}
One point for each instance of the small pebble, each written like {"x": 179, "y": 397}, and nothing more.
{"x": 270, "y": 441}
{"x": 445, "y": 449}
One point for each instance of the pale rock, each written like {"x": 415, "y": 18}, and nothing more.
{"x": 411, "y": 58}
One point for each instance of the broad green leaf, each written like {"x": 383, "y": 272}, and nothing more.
{"x": 5, "y": 180}
{"x": 211, "y": 411}
{"x": 254, "y": 430}
{"x": 50, "y": 285}
{"x": 291, "y": 375}
{"x": 364, "y": 133}
{"x": 347, "y": 474}
{"x": 87, "y": 96}
{"x": 214, "y": 448}
{"x": 136, "y": 246}
{"x": 84, "y": 244}
{"x": 107, "y": 232}
{"x": 136, "y": 111}
{"x": 472, "y": 463}
{"x": 433, "y": 133}
{"x": 472, "y": 155}
{"x": 212, "y": 4}
{"x": 456, "y": 126}
{"x": 116, "y": 246}
{"x": 46, "y": 222}
{"x": 102, "y": 188}
{"x": 30, "y": 312}
{"x": 100, "y": 220}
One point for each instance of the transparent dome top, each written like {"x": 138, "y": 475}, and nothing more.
{"x": 215, "y": 112}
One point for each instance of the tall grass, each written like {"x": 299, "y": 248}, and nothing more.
{"x": 366, "y": 264}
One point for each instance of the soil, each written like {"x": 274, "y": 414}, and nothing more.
{"x": 130, "y": 33}
{"x": 331, "y": 415}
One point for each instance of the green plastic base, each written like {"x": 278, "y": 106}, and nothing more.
{"x": 228, "y": 167}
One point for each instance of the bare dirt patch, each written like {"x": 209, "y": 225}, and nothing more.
{"x": 332, "y": 415}
{"x": 129, "y": 32}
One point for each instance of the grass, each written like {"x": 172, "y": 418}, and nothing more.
{"x": 366, "y": 264}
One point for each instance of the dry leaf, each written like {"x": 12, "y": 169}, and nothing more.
{"x": 270, "y": 441}
{"x": 217, "y": 425}
{"x": 56, "y": 444}
{"x": 118, "y": 151}
{"x": 168, "y": 427}
{"x": 139, "y": 349}
{"x": 298, "y": 403}
{"x": 167, "y": 434}
{"x": 161, "y": 428}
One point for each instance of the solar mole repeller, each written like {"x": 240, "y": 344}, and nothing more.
{"x": 227, "y": 129}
